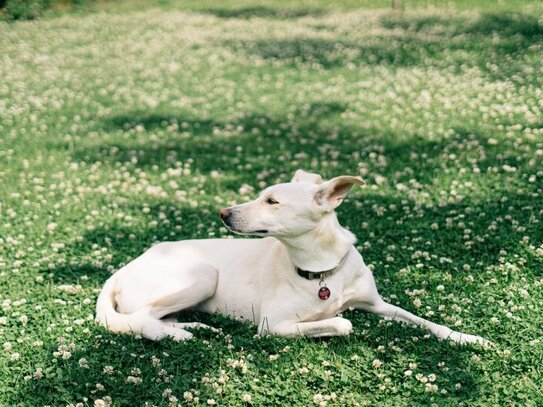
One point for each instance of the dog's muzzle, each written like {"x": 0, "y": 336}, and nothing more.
{"x": 228, "y": 218}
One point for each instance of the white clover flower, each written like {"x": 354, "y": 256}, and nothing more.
{"x": 134, "y": 380}
{"x": 377, "y": 363}
{"x": 38, "y": 373}
{"x": 431, "y": 388}
{"x": 318, "y": 398}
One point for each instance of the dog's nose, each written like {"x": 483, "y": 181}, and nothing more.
{"x": 225, "y": 213}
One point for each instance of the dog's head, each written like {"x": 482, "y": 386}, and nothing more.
{"x": 290, "y": 209}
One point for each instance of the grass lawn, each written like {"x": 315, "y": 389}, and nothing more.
{"x": 126, "y": 128}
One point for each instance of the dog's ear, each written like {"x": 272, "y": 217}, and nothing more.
{"x": 332, "y": 192}
{"x": 304, "y": 176}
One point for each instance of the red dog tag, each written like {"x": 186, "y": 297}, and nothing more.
{"x": 324, "y": 293}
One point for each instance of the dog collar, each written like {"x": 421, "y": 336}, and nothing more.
{"x": 324, "y": 292}
{"x": 312, "y": 275}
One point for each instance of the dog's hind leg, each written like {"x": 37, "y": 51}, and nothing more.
{"x": 203, "y": 287}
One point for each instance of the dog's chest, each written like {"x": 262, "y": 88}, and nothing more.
{"x": 312, "y": 305}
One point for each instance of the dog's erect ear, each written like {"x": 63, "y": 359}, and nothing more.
{"x": 332, "y": 192}
{"x": 304, "y": 176}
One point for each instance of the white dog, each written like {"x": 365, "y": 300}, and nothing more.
{"x": 293, "y": 282}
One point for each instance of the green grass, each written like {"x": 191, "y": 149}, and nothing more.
{"x": 287, "y": 8}
{"x": 278, "y": 9}
{"x": 122, "y": 129}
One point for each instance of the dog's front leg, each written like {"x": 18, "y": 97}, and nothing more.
{"x": 327, "y": 327}
{"x": 390, "y": 311}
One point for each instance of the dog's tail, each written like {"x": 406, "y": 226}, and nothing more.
{"x": 139, "y": 322}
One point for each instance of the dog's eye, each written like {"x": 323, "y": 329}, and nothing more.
{"x": 271, "y": 201}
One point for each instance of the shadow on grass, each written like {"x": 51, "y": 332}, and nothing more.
{"x": 503, "y": 24}
{"x": 315, "y": 136}
{"x": 186, "y": 363}
{"x": 264, "y": 12}
{"x": 274, "y": 145}
{"x": 426, "y": 41}
{"x": 255, "y": 140}
{"x": 70, "y": 381}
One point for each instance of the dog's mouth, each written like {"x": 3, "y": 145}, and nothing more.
{"x": 258, "y": 232}
{"x": 234, "y": 228}
{"x": 252, "y": 232}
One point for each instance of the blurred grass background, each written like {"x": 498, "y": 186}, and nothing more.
{"x": 31, "y": 9}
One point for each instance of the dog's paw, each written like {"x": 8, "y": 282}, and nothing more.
{"x": 343, "y": 326}
{"x": 177, "y": 334}
{"x": 464, "y": 339}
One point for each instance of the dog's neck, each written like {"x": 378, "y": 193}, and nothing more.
{"x": 321, "y": 249}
